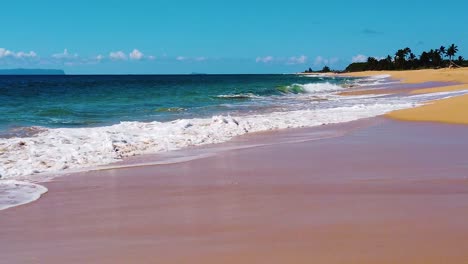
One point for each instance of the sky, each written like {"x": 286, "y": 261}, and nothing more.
{"x": 177, "y": 37}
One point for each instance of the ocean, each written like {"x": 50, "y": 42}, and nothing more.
{"x": 51, "y": 124}
{"x": 90, "y": 101}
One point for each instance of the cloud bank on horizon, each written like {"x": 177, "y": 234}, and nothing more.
{"x": 66, "y": 58}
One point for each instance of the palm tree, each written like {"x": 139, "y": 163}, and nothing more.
{"x": 451, "y": 51}
{"x": 442, "y": 50}
{"x": 326, "y": 69}
{"x": 425, "y": 59}
{"x": 407, "y": 51}
{"x": 460, "y": 61}
{"x": 436, "y": 59}
{"x": 389, "y": 58}
{"x": 400, "y": 58}
{"x": 372, "y": 60}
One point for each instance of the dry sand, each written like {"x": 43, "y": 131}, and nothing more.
{"x": 383, "y": 194}
{"x": 452, "y": 110}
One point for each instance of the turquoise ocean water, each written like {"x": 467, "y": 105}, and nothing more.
{"x": 81, "y": 101}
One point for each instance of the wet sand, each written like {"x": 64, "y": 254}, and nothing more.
{"x": 457, "y": 75}
{"x": 452, "y": 110}
{"x": 399, "y": 88}
{"x": 395, "y": 192}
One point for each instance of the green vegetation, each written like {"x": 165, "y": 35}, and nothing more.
{"x": 405, "y": 59}
{"x": 324, "y": 70}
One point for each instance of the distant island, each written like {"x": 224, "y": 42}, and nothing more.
{"x": 31, "y": 72}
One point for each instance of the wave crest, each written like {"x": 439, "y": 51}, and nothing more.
{"x": 309, "y": 88}
{"x": 170, "y": 109}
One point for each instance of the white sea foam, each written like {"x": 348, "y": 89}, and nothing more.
{"x": 439, "y": 95}
{"x": 14, "y": 193}
{"x": 238, "y": 96}
{"x": 72, "y": 148}
{"x": 320, "y": 87}
{"x": 379, "y": 77}
{"x": 311, "y": 88}
{"x": 375, "y": 80}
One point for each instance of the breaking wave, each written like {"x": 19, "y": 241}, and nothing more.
{"x": 72, "y": 148}
{"x": 309, "y": 88}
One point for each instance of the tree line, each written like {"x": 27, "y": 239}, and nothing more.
{"x": 405, "y": 59}
{"x": 325, "y": 69}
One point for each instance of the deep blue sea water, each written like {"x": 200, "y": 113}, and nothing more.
{"x": 81, "y": 101}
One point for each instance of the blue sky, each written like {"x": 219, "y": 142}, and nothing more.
{"x": 143, "y": 36}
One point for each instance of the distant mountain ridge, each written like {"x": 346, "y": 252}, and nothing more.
{"x": 31, "y": 72}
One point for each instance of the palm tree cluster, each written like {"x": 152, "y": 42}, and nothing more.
{"x": 405, "y": 59}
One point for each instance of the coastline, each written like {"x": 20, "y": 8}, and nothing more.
{"x": 449, "y": 110}
{"x": 459, "y": 75}
{"x": 295, "y": 195}
{"x": 183, "y": 132}
{"x": 60, "y": 148}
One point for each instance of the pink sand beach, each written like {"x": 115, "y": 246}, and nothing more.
{"x": 377, "y": 191}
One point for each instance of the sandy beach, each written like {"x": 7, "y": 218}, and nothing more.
{"x": 403, "y": 199}
{"x": 452, "y": 110}
{"x": 373, "y": 191}
{"x": 232, "y": 132}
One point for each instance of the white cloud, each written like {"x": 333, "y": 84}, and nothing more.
{"x": 189, "y": 59}
{"x": 117, "y": 55}
{"x": 22, "y": 54}
{"x": 297, "y": 60}
{"x": 4, "y": 53}
{"x": 359, "y": 58}
{"x": 363, "y": 58}
{"x": 266, "y": 59}
{"x": 99, "y": 57}
{"x": 319, "y": 61}
{"x": 334, "y": 60}
{"x": 65, "y": 55}
{"x": 136, "y": 55}
{"x": 151, "y": 57}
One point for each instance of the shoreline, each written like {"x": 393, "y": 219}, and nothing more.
{"x": 13, "y": 197}
{"x": 238, "y": 206}
{"x": 374, "y": 189}
{"x": 449, "y": 110}
{"x": 452, "y": 113}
